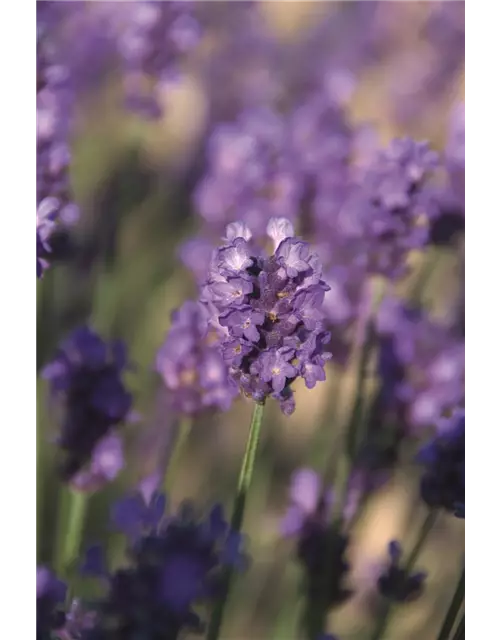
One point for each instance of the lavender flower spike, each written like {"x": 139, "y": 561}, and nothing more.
{"x": 176, "y": 563}
{"x": 443, "y": 482}
{"x": 271, "y": 308}
{"x": 86, "y": 379}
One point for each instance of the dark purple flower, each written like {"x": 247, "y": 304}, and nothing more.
{"x": 86, "y": 379}
{"x": 176, "y": 562}
{"x": 395, "y": 583}
{"x": 50, "y": 597}
{"x": 443, "y": 481}
{"x": 191, "y": 364}
{"x": 308, "y": 521}
{"x": 270, "y": 307}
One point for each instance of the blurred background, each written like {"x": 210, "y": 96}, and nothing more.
{"x": 397, "y": 69}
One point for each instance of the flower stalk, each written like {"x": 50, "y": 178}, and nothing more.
{"x": 244, "y": 482}
{"x": 455, "y": 605}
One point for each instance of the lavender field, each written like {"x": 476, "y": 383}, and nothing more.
{"x": 250, "y": 320}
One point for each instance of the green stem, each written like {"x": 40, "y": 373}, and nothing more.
{"x": 73, "y": 519}
{"x": 183, "y": 431}
{"x": 424, "y": 277}
{"x": 37, "y": 493}
{"x": 384, "y": 619}
{"x": 455, "y": 605}
{"x": 244, "y": 482}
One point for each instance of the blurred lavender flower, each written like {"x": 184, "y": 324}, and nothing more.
{"x": 424, "y": 77}
{"x": 384, "y": 213}
{"x": 309, "y": 504}
{"x": 421, "y": 364}
{"x": 252, "y": 173}
{"x": 55, "y": 98}
{"x": 106, "y": 463}
{"x": 150, "y": 43}
{"x": 443, "y": 481}
{"x": 86, "y": 379}
{"x": 308, "y": 520}
{"x": 395, "y": 583}
{"x": 270, "y": 307}
{"x": 50, "y": 596}
{"x": 455, "y": 153}
{"x": 322, "y": 140}
{"x": 195, "y": 254}
{"x": 243, "y": 69}
{"x": 191, "y": 365}
{"x": 79, "y": 622}
{"x": 176, "y": 562}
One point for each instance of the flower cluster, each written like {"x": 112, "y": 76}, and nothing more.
{"x": 175, "y": 564}
{"x": 384, "y": 214}
{"x": 270, "y": 308}
{"x": 421, "y": 364}
{"x": 395, "y": 583}
{"x": 443, "y": 481}
{"x": 153, "y": 37}
{"x": 85, "y": 376}
{"x": 191, "y": 364}
{"x": 252, "y": 172}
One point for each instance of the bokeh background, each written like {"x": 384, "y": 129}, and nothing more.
{"x": 119, "y": 268}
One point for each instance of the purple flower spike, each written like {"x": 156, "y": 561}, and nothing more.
{"x": 86, "y": 378}
{"x": 443, "y": 481}
{"x": 271, "y": 310}
{"x": 421, "y": 364}
{"x": 175, "y": 564}
{"x": 252, "y": 170}
{"x": 50, "y": 596}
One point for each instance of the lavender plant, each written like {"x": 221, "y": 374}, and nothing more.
{"x": 269, "y": 314}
